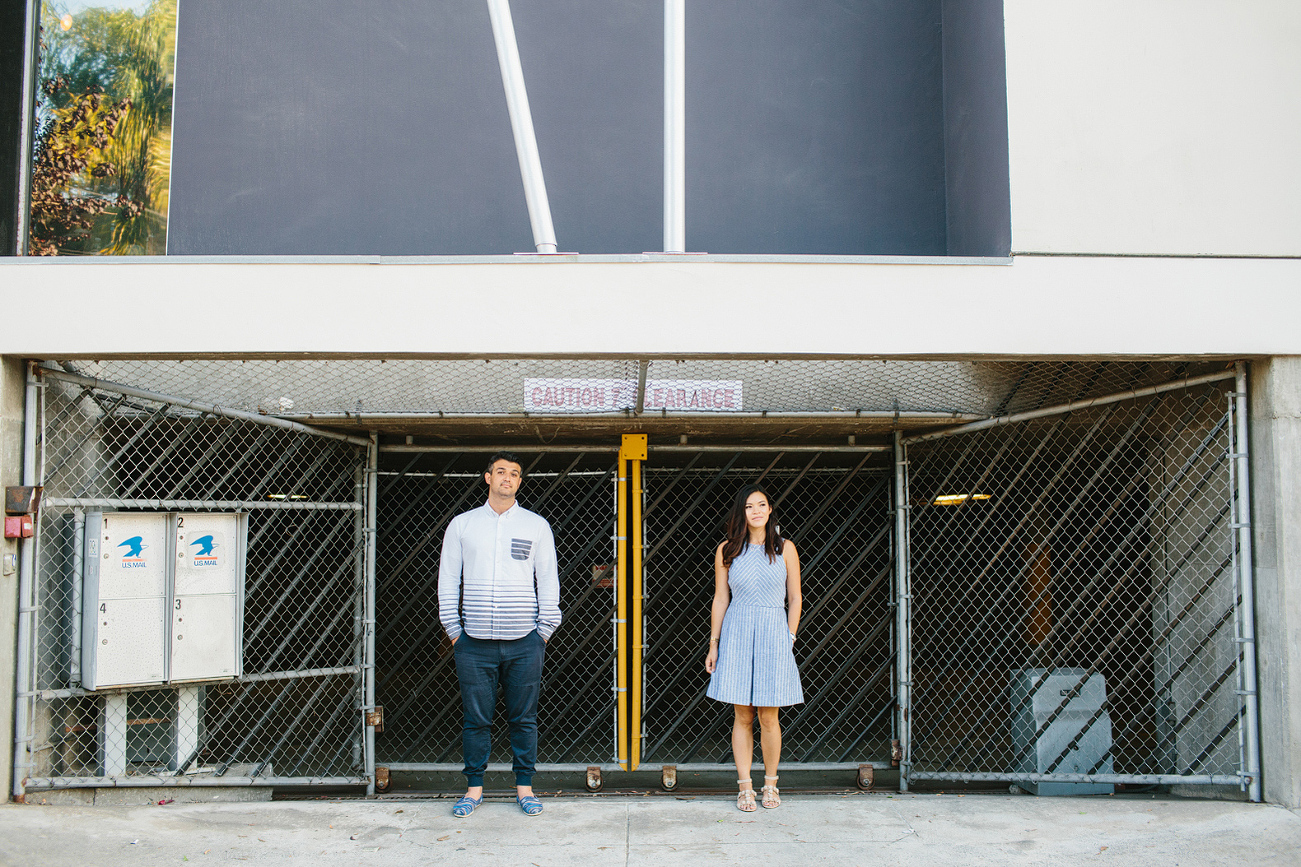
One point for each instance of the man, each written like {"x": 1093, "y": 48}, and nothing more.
{"x": 498, "y": 599}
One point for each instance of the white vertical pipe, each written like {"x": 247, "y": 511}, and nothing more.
{"x": 372, "y": 510}
{"x": 25, "y": 681}
{"x": 360, "y": 493}
{"x": 1247, "y": 583}
{"x": 675, "y": 126}
{"x": 521, "y": 123}
{"x": 903, "y": 596}
{"x": 27, "y": 126}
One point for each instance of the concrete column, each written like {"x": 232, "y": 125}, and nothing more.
{"x": 12, "y": 383}
{"x": 1275, "y": 394}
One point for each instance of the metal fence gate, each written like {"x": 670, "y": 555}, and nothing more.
{"x": 835, "y": 506}
{"x": 420, "y": 491}
{"x": 294, "y": 716}
{"x": 1079, "y": 594}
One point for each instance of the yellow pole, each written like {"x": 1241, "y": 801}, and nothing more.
{"x": 632, "y": 450}
{"x": 637, "y": 594}
{"x": 621, "y": 617}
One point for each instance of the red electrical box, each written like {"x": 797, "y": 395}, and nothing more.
{"x": 18, "y": 527}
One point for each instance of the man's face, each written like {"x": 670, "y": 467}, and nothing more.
{"x": 503, "y": 478}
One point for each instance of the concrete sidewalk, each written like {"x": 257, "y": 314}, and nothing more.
{"x": 856, "y": 828}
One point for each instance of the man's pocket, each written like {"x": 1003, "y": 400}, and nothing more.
{"x": 520, "y": 548}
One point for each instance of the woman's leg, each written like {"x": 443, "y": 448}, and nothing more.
{"x": 743, "y": 753}
{"x": 743, "y": 740}
{"x": 770, "y": 733}
{"x": 770, "y": 739}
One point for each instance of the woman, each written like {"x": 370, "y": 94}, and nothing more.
{"x": 753, "y": 622}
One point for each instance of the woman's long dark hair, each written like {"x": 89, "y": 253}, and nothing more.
{"x": 738, "y": 531}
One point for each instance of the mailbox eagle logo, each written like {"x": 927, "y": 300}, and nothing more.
{"x": 205, "y": 556}
{"x": 134, "y": 557}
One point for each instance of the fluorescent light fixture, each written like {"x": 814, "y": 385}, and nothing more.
{"x": 955, "y": 499}
{"x": 286, "y": 496}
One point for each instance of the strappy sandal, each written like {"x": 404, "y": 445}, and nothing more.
{"x": 745, "y": 797}
{"x": 771, "y": 799}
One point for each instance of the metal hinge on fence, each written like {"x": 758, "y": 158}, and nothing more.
{"x": 375, "y": 718}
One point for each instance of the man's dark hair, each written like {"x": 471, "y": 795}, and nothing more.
{"x": 504, "y": 456}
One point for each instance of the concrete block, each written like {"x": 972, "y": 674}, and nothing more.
{"x": 146, "y": 795}
{"x": 62, "y": 798}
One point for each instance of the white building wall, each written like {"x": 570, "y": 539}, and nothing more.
{"x": 1155, "y": 127}
{"x": 1036, "y": 306}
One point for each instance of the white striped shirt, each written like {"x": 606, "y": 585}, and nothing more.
{"x": 486, "y": 578}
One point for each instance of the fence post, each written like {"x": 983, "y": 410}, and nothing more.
{"x": 633, "y": 449}
{"x": 903, "y": 652}
{"x": 621, "y": 610}
{"x": 368, "y": 670}
{"x": 1246, "y": 581}
{"x": 25, "y": 683}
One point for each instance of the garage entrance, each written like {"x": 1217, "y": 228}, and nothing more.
{"x": 1032, "y": 573}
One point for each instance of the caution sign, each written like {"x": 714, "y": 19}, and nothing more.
{"x": 565, "y": 395}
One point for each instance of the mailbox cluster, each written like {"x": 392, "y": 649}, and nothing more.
{"x": 162, "y": 598}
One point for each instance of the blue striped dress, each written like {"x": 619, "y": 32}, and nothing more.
{"x": 756, "y": 665}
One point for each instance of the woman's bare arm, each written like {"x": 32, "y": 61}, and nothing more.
{"x": 794, "y": 598}
{"x": 722, "y": 596}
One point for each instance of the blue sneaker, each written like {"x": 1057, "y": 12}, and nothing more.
{"x": 530, "y": 805}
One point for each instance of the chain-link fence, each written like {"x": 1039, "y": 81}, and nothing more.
{"x": 419, "y": 493}
{"x": 1075, "y": 605}
{"x": 835, "y": 506}
{"x": 291, "y": 712}
{"x": 915, "y": 391}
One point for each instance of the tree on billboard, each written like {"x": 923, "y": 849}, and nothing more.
{"x": 103, "y": 149}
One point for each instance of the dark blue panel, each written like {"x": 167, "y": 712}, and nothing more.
{"x": 332, "y": 127}
{"x": 324, "y": 126}
{"x": 815, "y": 126}
{"x": 595, "y": 75}
{"x": 979, "y": 199}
